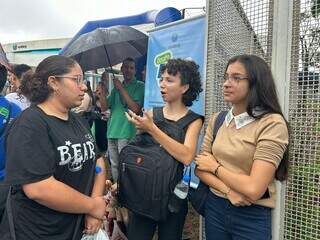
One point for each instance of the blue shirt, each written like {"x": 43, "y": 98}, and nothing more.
{"x": 14, "y": 111}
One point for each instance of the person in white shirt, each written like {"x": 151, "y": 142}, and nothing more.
{"x": 15, "y": 81}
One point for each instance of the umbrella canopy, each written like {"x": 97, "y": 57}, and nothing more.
{"x": 3, "y": 58}
{"x": 106, "y": 47}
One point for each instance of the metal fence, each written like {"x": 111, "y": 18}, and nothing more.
{"x": 302, "y": 212}
{"x": 234, "y": 27}
{"x": 259, "y": 27}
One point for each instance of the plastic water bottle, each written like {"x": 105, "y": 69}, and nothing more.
{"x": 180, "y": 194}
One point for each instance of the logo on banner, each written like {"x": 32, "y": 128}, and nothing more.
{"x": 174, "y": 37}
{"x": 185, "y": 40}
{"x": 159, "y": 61}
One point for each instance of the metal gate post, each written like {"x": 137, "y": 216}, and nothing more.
{"x": 281, "y": 65}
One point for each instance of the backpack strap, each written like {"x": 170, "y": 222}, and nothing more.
{"x": 188, "y": 118}
{"x": 158, "y": 114}
{"x": 182, "y": 122}
{"x": 218, "y": 123}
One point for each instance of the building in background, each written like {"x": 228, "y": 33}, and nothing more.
{"x": 33, "y": 52}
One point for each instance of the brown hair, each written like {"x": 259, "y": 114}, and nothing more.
{"x": 35, "y": 86}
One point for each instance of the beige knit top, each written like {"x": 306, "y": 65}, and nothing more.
{"x": 236, "y": 149}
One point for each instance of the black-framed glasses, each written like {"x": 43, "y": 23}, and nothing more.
{"x": 234, "y": 78}
{"x": 77, "y": 78}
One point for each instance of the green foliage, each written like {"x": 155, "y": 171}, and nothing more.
{"x": 303, "y": 200}
{"x": 304, "y": 203}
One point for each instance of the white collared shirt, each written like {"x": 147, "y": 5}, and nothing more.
{"x": 240, "y": 120}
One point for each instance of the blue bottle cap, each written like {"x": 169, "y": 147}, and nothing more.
{"x": 98, "y": 169}
{"x": 186, "y": 178}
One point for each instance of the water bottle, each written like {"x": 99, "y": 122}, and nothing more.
{"x": 179, "y": 195}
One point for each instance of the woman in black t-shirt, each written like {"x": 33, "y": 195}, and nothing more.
{"x": 51, "y": 157}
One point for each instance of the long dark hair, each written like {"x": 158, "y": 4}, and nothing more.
{"x": 35, "y": 86}
{"x": 263, "y": 95}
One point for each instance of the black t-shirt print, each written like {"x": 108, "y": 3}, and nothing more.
{"x": 40, "y": 146}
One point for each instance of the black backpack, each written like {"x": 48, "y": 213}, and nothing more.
{"x": 148, "y": 174}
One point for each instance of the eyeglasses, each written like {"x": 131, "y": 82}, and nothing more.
{"x": 234, "y": 79}
{"x": 78, "y": 78}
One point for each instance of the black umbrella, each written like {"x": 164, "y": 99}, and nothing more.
{"x": 105, "y": 47}
{"x": 3, "y": 58}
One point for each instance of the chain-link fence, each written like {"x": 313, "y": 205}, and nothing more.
{"x": 247, "y": 26}
{"x": 302, "y": 212}
{"x": 234, "y": 27}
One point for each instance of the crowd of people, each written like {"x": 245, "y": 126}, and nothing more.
{"x": 54, "y": 170}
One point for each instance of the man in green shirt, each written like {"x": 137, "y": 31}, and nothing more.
{"x": 124, "y": 96}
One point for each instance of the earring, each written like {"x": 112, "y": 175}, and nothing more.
{"x": 56, "y": 91}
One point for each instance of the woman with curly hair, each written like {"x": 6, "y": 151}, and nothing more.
{"x": 180, "y": 85}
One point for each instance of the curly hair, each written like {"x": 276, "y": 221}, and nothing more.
{"x": 35, "y": 85}
{"x": 189, "y": 74}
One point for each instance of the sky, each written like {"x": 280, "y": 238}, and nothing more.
{"x": 25, "y": 20}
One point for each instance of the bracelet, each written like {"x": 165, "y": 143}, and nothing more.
{"x": 227, "y": 192}
{"x": 216, "y": 170}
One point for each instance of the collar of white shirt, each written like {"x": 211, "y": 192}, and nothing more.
{"x": 240, "y": 120}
